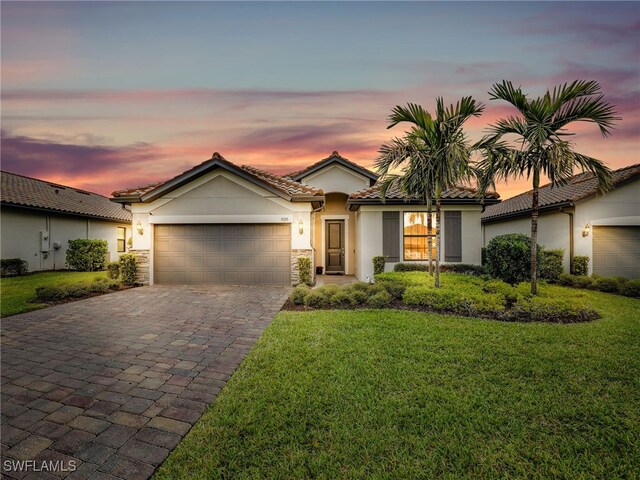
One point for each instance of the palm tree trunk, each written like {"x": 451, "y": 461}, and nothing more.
{"x": 429, "y": 227}
{"x": 534, "y": 233}
{"x": 438, "y": 194}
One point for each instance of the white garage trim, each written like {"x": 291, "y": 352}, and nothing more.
{"x": 191, "y": 219}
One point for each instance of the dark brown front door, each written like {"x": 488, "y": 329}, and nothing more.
{"x": 335, "y": 246}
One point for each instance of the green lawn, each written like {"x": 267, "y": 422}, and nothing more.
{"x": 397, "y": 394}
{"x": 15, "y": 292}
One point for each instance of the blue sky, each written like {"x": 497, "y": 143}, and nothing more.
{"x": 160, "y": 86}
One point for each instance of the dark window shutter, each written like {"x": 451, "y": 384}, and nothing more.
{"x": 452, "y": 236}
{"x": 391, "y": 236}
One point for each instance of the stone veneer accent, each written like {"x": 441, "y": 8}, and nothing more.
{"x": 295, "y": 254}
{"x": 143, "y": 265}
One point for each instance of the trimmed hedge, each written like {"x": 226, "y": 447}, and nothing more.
{"x": 128, "y": 268}
{"x": 551, "y": 264}
{"x": 580, "y": 265}
{"x": 631, "y": 289}
{"x": 113, "y": 270}
{"x": 466, "y": 268}
{"x": 87, "y": 255}
{"x": 378, "y": 264}
{"x": 76, "y": 290}
{"x": 619, "y": 285}
{"x": 304, "y": 270}
{"x": 509, "y": 257}
{"x": 12, "y": 267}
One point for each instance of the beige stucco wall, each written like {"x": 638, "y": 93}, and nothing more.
{"x": 618, "y": 207}
{"x": 220, "y": 197}
{"x": 369, "y": 228}
{"x": 20, "y": 229}
{"x": 336, "y": 178}
{"x": 335, "y": 208}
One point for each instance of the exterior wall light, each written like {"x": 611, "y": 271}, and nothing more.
{"x": 586, "y": 231}
{"x": 139, "y": 228}
{"x": 300, "y": 227}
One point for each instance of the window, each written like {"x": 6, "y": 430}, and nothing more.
{"x": 417, "y": 238}
{"x": 122, "y": 239}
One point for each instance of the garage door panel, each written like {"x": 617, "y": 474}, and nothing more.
{"x": 616, "y": 251}
{"x": 222, "y": 253}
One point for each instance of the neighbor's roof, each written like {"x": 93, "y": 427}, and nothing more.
{"x": 461, "y": 194}
{"x": 26, "y": 192}
{"x": 579, "y": 187}
{"x": 283, "y": 186}
{"x": 335, "y": 157}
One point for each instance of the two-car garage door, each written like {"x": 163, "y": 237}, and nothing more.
{"x": 616, "y": 251}
{"x": 222, "y": 253}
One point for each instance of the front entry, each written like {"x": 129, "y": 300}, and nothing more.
{"x": 335, "y": 246}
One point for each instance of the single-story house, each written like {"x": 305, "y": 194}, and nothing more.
{"x": 223, "y": 223}
{"x": 38, "y": 218}
{"x": 605, "y": 228}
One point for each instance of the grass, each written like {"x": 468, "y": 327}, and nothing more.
{"x": 393, "y": 394}
{"x": 16, "y": 292}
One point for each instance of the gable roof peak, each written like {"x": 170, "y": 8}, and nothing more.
{"x": 217, "y": 156}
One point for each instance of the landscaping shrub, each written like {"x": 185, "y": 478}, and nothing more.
{"x": 411, "y": 267}
{"x": 114, "y": 285}
{"x": 11, "y": 267}
{"x": 128, "y": 269}
{"x": 465, "y": 268}
{"x": 87, "y": 255}
{"x": 328, "y": 290}
{"x": 509, "y": 257}
{"x": 316, "y": 299}
{"x": 344, "y": 299}
{"x": 304, "y": 270}
{"x": 298, "y": 294}
{"x": 78, "y": 290}
{"x": 99, "y": 287}
{"x": 631, "y": 289}
{"x": 551, "y": 264}
{"x": 394, "y": 287}
{"x": 113, "y": 270}
{"x": 580, "y": 265}
{"x": 359, "y": 297}
{"x": 556, "y": 310}
{"x": 607, "y": 284}
{"x": 50, "y": 294}
{"x": 379, "y": 300}
{"x": 378, "y": 264}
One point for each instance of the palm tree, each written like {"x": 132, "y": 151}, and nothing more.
{"x": 433, "y": 156}
{"x": 539, "y": 146}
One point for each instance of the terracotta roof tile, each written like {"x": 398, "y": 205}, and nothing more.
{"x": 283, "y": 184}
{"x": 394, "y": 193}
{"x": 335, "y": 156}
{"x": 30, "y": 192}
{"x": 580, "y": 186}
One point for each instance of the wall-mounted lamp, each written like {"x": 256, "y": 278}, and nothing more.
{"x": 586, "y": 231}
{"x": 300, "y": 227}
{"x": 139, "y": 228}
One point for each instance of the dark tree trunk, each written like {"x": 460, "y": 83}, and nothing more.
{"x": 429, "y": 238}
{"x": 534, "y": 233}
{"x": 437, "y": 283}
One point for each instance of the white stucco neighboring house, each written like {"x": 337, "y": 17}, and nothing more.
{"x": 38, "y": 218}
{"x": 224, "y": 223}
{"x": 575, "y": 218}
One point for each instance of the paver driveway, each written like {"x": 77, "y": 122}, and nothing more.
{"x": 113, "y": 383}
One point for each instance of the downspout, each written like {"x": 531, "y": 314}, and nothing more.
{"x": 570, "y": 213}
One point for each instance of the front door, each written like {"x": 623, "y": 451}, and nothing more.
{"x": 335, "y": 246}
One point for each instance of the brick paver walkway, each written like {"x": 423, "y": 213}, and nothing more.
{"x": 113, "y": 383}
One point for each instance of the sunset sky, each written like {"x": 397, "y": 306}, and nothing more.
{"x": 104, "y": 96}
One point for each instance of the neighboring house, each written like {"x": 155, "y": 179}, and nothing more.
{"x": 606, "y": 228}
{"x": 38, "y": 218}
{"x": 223, "y": 223}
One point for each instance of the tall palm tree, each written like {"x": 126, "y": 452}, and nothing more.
{"x": 538, "y": 144}
{"x": 433, "y": 156}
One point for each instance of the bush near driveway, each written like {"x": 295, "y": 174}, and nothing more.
{"x": 18, "y": 292}
{"x": 87, "y": 255}
{"x": 407, "y": 395}
{"x": 460, "y": 294}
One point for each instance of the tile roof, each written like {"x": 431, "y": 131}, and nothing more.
{"x": 285, "y": 185}
{"x": 394, "y": 193}
{"x": 579, "y": 187}
{"x": 335, "y": 157}
{"x": 24, "y": 191}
